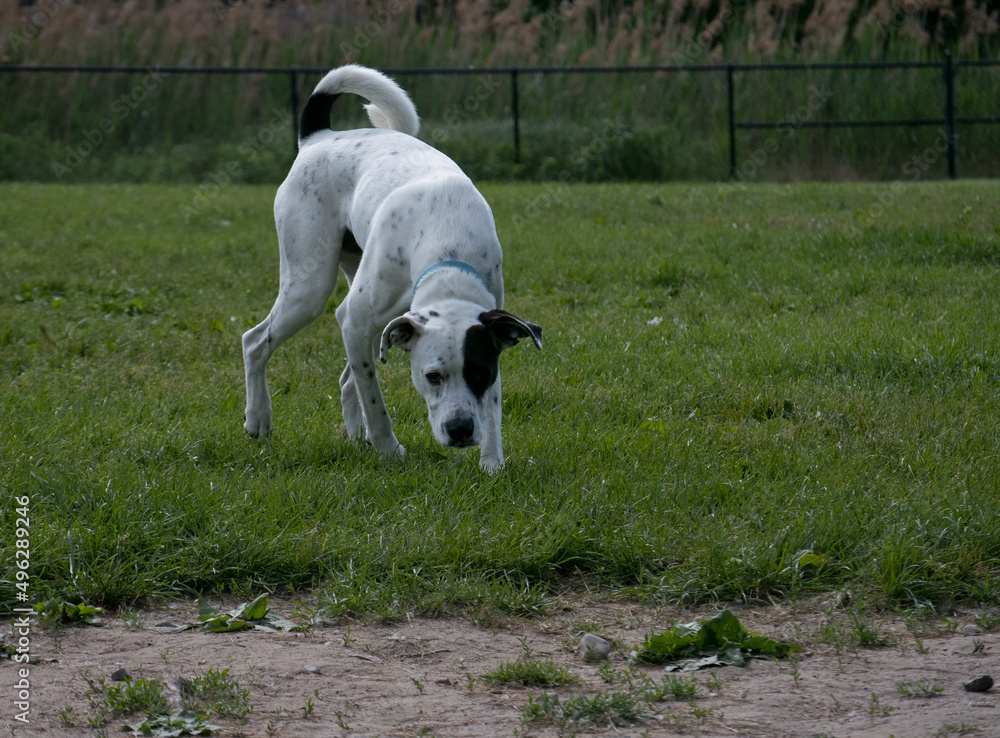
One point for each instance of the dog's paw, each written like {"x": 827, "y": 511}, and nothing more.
{"x": 491, "y": 464}
{"x": 256, "y": 426}
{"x": 389, "y": 447}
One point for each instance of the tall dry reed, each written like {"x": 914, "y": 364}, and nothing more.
{"x": 486, "y": 32}
{"x": 189, "y": 126}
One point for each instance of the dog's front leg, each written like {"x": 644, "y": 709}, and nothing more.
{"x": 360, "y": 378}
{"x": 491, "y": 446}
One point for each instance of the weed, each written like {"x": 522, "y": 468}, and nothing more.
{"x": 877, "y": 709}
{"x": 342, "y": 716}
{"x": 720, "y": 640}
{"x": 921, "y": 689}
{"x": 132, "y": 619}
{"x": 865, "y": 632}
{"x": 950, "y": 729}
{"x": 700, "y": 713}
{"x": 418, "y": 684}
{"x": 979, "y": 647}
{"x": 131, "y": 696}
{"x": 178, "y": 723}
{"x": 837, "y": 708}
{"x": 606, "y": 671}
{"x": 55, "y": 612}
{"x": 526, "y": 647}
{"x": 216, "y": 693}
{"x": 988, "y": 621}
{"x": 832, "y": 632}
{"x": 793, "y": 663}
{"x": 714, "y": 683}
{"x": 308, "y": 708}
{"x": 545, "y": 709}
{"x": 530, "y": 673}
{"x": 670, "y": 687}
{"x": 615, "y": 708}
{"x": 66, "y": 715}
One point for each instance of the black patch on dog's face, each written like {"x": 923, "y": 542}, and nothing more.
{"x": 480, "y": 360}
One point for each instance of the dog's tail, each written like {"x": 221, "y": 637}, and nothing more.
{"x": 390, "y": 106}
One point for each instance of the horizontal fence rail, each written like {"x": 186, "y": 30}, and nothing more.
{"x": 949, "y": 120}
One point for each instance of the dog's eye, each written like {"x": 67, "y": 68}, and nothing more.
{"x": 434, "y": 378}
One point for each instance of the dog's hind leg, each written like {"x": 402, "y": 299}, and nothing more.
{"x": 350, "y": 401}
{"x": 306, "y": 286}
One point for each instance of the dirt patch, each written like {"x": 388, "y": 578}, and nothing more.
{"x": 413, "y": 678}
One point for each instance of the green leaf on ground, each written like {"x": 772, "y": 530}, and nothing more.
{"x": 721, "y": 641}
{"x": 177, "y": 724}
{"x": 56, "y": 611}
{"x": 247, "y": 616}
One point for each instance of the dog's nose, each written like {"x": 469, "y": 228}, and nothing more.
{"x": 460, "y": 431}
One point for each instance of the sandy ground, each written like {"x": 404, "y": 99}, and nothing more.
{"x": 411, "y": 678}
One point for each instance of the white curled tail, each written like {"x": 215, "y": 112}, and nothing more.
{"x": 389, "y": 106}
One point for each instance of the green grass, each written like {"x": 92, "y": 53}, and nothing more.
{"x": 612, "y": 708}
{"x": 530, "y": 672}
{"x": 131, "y": 696}
{"x": 745, "y": 392}
{"x": 216, "y": 693}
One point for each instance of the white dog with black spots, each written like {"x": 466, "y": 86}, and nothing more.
{"x": 418, "y": 245}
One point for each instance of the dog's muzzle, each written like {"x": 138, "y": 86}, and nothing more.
{"x": 460, "y": 431}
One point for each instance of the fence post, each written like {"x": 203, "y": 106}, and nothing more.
{"x": 949, "y": 114}
{"x": 294, "y": 100}
{"x": 517, "y": 116}
{"x": 732, "y": 122}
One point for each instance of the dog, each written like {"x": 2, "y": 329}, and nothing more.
{"x": 418, "y": 245}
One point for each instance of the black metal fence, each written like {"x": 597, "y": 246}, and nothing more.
{"x": 949, "y": 119}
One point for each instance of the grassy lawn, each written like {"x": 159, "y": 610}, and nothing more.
{"x": 745, "y": 392}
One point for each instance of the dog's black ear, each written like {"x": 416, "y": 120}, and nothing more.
{"x": 507, "y": 329}
{"x": 403, "y": 332}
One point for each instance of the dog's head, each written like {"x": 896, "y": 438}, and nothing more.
{"x": 454, "y": 349}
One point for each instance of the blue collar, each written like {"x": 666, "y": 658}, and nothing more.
{"x": 451, "y": 264}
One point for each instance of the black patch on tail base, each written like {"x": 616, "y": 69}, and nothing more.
{"x": 316, "y": 114}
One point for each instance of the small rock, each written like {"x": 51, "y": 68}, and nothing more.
{"x": 980, "y": 683}
{"x": 311, "y": 669}
{"x": 120, "y": 674}
{"x": 593, "y": 648}
{"x": 970, "y": 629}
{"x": 177, "y": 689}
